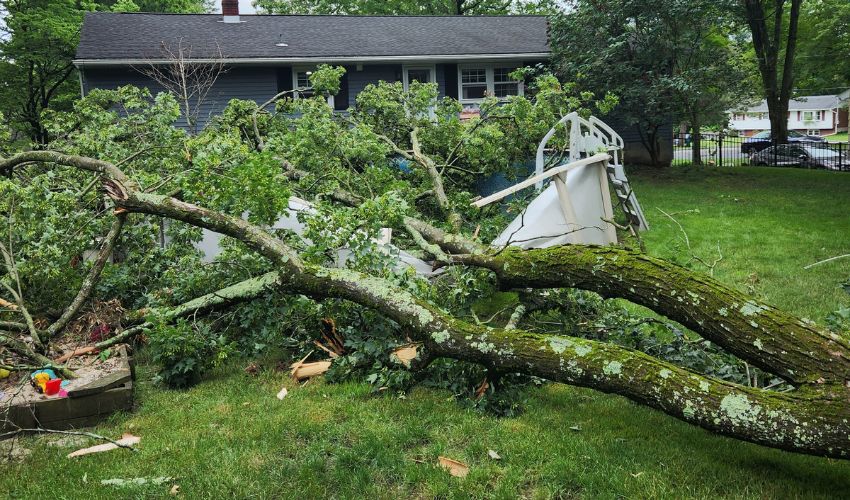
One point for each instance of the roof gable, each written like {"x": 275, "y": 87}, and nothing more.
{"x": 813, "y": 102}
{"x": 141, "y": 37}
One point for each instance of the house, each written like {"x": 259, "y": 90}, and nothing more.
{"x": 812, "y": 115}
{"x": 468, "y": 57}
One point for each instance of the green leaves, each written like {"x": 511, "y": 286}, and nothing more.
{"x": 326, "y": 79}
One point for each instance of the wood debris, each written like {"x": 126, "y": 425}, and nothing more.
{"x": 332, "y": 342}
{"x": 455, "y": 468}
{"x": 76, "y": 352}
{"x": 406, "y": 354}
{"x": 303, "y": 371}
{"x": 8, "y": 305}
{"x": 482, "y": 389}
{"x": 126, "y": 440}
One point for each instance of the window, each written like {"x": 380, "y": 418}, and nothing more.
{"x": 479, "y": 81}
{"x": 819, "y": 115}
{"x": 473, "y": 83}
{"x": 808, "y": 116}
{"x": 813, "y": 132}
{"x": 503, "y": 85}
{"x": 301, "y": 80}
{"x": 421, "y": 74}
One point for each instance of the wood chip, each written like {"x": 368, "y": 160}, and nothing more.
{"x": 126, "y": 440}
{"x": 175, "y": 490}
{"x": 282, "y": 394}
{"x": 8, "y": 305}
{"x": 406, "y": 354}
{"x": 492, "y": 454}
{"x": 455, "y": 468}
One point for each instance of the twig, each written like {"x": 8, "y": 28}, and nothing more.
{"x": 260, "y": 144}
{"x": 827, "y": 260}
{"x": 12, "y": 269}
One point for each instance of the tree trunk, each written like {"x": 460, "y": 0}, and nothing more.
{"x": 773, "y": 340}
{"x": 767, "y": 46}
{"x": 696, "y": 141}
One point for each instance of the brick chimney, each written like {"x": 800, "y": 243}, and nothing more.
{"x": 230, "y": 11}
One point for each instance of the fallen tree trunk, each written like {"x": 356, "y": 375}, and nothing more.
{"x": 775, "y": 341}
{"x": 812, "y": 419}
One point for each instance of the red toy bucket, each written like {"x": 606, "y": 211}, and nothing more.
{"x": 51, "y": 387}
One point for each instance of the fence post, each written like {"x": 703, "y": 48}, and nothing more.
{"x": 720, "y": 149}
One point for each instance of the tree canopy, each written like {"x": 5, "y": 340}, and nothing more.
{"x": 666, "y": 60}
{"x": 39, "y": 43}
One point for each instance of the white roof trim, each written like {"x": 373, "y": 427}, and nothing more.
{"x": 330, "y": 59}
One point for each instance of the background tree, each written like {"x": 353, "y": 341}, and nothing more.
{"x": 391, "y": 7}
{"x": 823, "y": 47}
{"x": 39, "y": 41}
{"x": 665, "y": 60}
{"x": 774, "y": 38}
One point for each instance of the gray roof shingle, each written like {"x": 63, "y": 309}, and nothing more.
{"x": 808, "y": 102}
{"x": 140, "y": 36}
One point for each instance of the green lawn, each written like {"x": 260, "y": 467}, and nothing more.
{"x": 769, "y": 223}
{"x": 842, "y": 137}
{"x": 230, "y": 437}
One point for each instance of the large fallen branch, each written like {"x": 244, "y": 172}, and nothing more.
{"x": 778, "y": 342}
{"x": 813, "y": 419}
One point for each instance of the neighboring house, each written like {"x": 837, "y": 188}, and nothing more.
{"x": 812, "y": 115}
{"x": 468, "y": 57}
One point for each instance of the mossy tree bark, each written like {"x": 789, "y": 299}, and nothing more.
{"x": 812, "y": 419}
{"x": 775, "y": 341}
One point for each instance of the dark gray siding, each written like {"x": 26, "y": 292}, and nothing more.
{"x": 371, "y": 73}
{"x": 257, "y": 83}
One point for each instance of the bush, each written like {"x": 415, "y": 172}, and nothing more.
{"x": 184, "y": 351}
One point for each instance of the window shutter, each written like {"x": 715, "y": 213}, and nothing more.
{"x": 284, "y": 78}
{"x": 341, "y": 99}
{"x": 450, "y": 72}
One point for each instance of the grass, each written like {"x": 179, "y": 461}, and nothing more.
{"x": 769, "y": 223}
{"x": 842, "y": 137}
{"x": 230, "y": 437}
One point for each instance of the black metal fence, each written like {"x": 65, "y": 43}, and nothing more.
{"x": 726, "y": 150}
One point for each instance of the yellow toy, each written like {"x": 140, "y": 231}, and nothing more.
{"x": 4, "y": 373}
{"x": 40, "y": 380}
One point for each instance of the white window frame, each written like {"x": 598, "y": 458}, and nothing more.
{"x": 305, "y": 69}
{"x": 432, "y": 68}
{"x": 813, "y": 132}
{"x": 810, "y": 118}
{"x": 491, "y": 84}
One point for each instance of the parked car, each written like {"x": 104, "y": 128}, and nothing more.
{"x": 761, "y": 140}
{"x": 801, "y": 155}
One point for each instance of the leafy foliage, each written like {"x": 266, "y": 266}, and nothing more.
{"x": 663, "y": 59}
{"x": 58, "y": 216}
